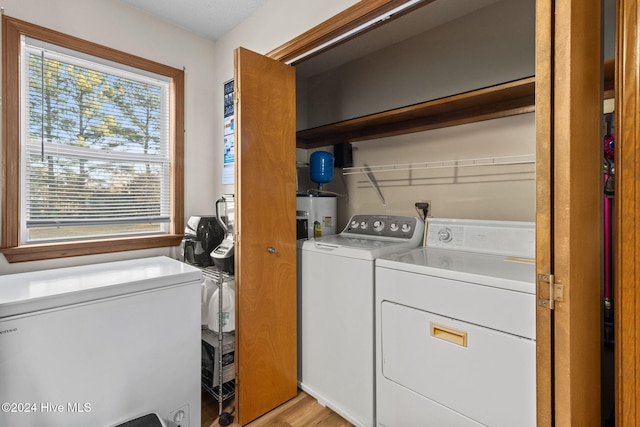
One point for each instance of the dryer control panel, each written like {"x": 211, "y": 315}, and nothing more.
{"x": 509, "y": 238}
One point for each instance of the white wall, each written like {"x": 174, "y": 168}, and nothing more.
{"x": 478, "y": 192}
{"x": 277, "y": 22}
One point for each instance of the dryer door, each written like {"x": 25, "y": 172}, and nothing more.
{"x": 486, "y": 375}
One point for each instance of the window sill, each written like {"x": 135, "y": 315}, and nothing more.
{"x": 90, "y": 247}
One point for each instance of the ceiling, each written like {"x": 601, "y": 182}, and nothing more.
{"x": 209, "y": 18}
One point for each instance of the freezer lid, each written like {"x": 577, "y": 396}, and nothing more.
{"x": 41, "y": 290}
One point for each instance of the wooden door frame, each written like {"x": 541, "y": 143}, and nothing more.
{"x": 334, "y": 27}
{"x": 627, "y": 204}
{"x": 544, "y": 204}
{"x": 577, "y": 92}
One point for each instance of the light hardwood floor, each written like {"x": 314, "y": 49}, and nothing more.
{"x": 301, "y": 411}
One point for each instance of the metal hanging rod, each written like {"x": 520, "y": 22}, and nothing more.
{"x": 488, "y": 161}
{"x": 360, "y": 28}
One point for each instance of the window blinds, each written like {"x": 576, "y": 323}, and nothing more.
{"x": 95, "y": 147}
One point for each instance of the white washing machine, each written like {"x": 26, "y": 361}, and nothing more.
{"x": 336, "y": 347}
{"x": 455, "y": 328}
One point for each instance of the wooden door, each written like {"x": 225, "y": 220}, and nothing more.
{"x": 569, "y": 97}
{"x": 544, "y": 207}
{"x": 266, "y": 349}
{"x": 627, "y": 208}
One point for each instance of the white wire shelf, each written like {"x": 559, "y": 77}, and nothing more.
{"x": 487, "y": 161}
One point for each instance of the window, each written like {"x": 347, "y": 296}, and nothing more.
{"x": 92, "y": 146}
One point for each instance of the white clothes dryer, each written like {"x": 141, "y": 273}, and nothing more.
{"x": 336, "y": 312}
{"x": 455, "y": 328}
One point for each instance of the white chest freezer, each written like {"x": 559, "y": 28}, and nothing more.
{"x": 101, "y": 344}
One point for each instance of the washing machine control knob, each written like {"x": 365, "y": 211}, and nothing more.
{"x": 444, "y": 235}
{"x": 406, "y": 228}
{"x": 378, "y": 225}
{"x": 354, "y": 224}
{"x": 393, "y": 227}
{"x": 364, "y": 225}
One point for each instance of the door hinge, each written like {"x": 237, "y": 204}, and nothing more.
{"x": 549, "y": 291}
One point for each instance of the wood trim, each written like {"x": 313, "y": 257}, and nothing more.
{"x": 609, "y": 79}
{"x": 577, "y": 211}
{"x": 10, "y": 133}
{"x": 12, "y": 30}
{"x": 78, "y": 44}
{"x": 627, "y": 212}
{"x": 177, "y": 153}
{"x": 544, "y": 204}
{"x": 350, "y": 18}
{"x": 90, "y": 247}
{"x": 493, "y": 102}
{"x": 489, "y": 103}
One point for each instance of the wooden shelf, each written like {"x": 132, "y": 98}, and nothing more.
{"x": 497, "y": 101}
{"x": 502, "y": 100}
{"x": 609, "y": 79}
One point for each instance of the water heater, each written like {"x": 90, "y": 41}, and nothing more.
{"x": 318, "y": 211}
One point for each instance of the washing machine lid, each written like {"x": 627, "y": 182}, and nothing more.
{"x": 366, "y": 248}
{"x": 511, "y": 273}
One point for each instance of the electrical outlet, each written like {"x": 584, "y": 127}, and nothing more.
{"x": 424, "y": 207}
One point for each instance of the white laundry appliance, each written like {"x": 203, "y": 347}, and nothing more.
{"x": 455, "y": 337}
{"x": 336, "y": 312}
{"x": 101, "y": 345}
